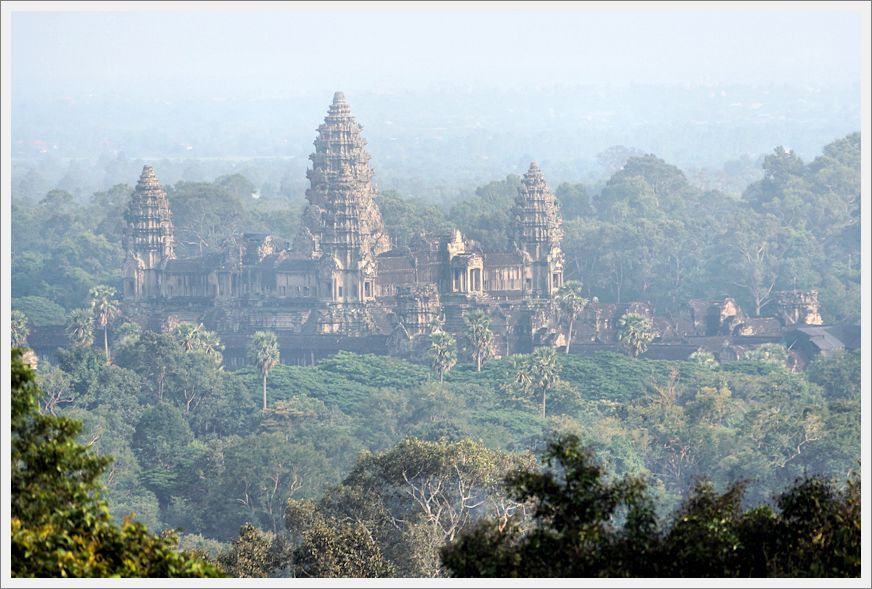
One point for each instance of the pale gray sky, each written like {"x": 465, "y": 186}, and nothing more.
{"x": 285, "y": 53}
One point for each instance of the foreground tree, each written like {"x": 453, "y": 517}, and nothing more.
{"x": 419, "y": 495}
{"x": 586, "y": 525}
{"x": 635, "y": 332}
{"x": 479, "y": 336}
{"x": 263, "y": 352}
{"x": 105, "y": 308}
{"x": 571, "y": 303}
{"x": 255, "y": 554}
{"x": 331, "y": 547}
{"x": 60, "y": 526}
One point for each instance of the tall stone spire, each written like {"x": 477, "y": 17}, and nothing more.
{"x": 149, "y": 227}
{"x": 537, "y": 222}
{"x": 341, "y": 178}
{"x": 147, "y": 236}
{"x": 536, "y": 232}
{"x": 342, "y": 225}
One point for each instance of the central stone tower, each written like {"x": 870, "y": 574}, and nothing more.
{"x": 536, "y": 234}
{"x": 342, "y": 225}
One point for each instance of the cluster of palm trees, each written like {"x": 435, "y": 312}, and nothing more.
{"x": 102, "y": 310}
{"x": 635, "y": 332}
{"x": 478, "y": 338}
{"x": 537, "y": 373}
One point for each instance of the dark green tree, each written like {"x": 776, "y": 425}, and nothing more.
{"x": 60, "y": 526}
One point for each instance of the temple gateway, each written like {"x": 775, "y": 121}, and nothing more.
{"x": 341, "y": 286}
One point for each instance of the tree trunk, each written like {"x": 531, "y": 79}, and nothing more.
{"x": 543, "y": 403}
{"x": 477, "y": 363}
{"x": 441, "y": 374}
{"x": 106, "y": 342}
{"x": 264, "y": 391}
{"x": 569, "y": 336}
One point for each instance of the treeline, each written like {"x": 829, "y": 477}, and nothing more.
{"x": 194, "y": 448}
{"x": 645, "y": 234}
{"x": 417, "y": 508}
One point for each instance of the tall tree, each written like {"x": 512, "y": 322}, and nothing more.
{"x": 442, "y": 352}
{"x": 479, "y": 336}
{"x": 571, "y": 304}
{"x": 60, "y": 526}
{"x": 538, "y": 373}
{"x": 263, "y": 352}
{"x": 80, "y": 328}
{"x": 635, "y": 332}
{"x": 105, "y": 307}
{"x": 19, "y": 329}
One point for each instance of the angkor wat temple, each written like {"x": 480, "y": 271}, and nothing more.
{"x": 341, "y": 286}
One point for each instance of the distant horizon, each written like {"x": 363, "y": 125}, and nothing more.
{"x": 240, "y": 51}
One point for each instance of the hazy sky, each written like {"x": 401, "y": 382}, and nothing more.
{"x": 277, "y": 53}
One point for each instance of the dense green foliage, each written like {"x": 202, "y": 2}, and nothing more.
{"x": 60, "y": 525}
{"x": 585, "y": 525}
{"x": 195, "y": 450}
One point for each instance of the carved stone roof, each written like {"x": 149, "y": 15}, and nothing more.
{"x": 148, "y": 230}
{"x": 502, "y": 259}
{"x": 394, "y": 263}
{"x": 536, "y": 214}
{"x": 342, "y": 214}
{"x": 297, "y": 265}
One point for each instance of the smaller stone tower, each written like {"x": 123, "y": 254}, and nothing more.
{"x": 147, "y": 238}
{"x": 536, "y": 234}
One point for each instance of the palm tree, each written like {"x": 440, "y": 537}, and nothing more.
{"x": 105, "y": 307}
{"x": 196, "y": 338}
{"x": 571, "y": 303}
{"x": 538, "y": 373}
{"x": 442, "y": 352}
{"x": 19, "y": 329}
{"x": 80, "y": 328}
{"x": 635, "y": 332}
{"x": 263, "y": 352}
{"x": 187, "y": 334}
{"x": 480, "y": 336}
{"x": 210, "y": 344}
